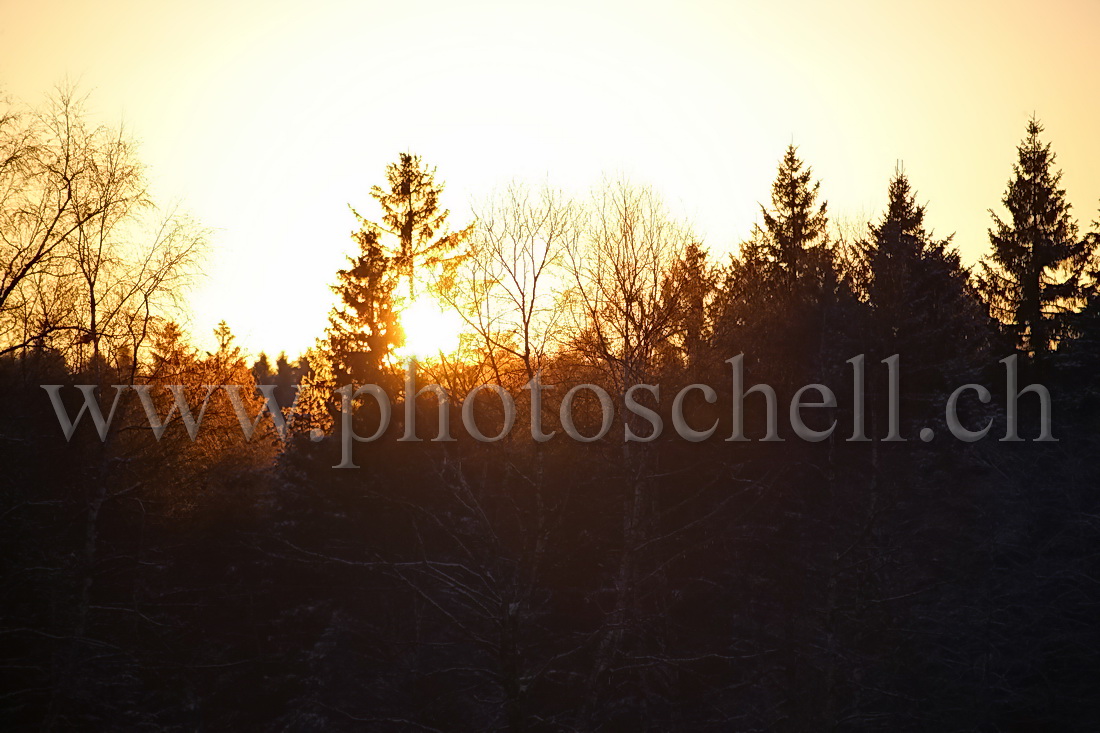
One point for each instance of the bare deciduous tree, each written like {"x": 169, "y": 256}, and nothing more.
{"x": 87, "y": 261}
{"x": 513, "y": 275}
{"x": 622, "y": 302}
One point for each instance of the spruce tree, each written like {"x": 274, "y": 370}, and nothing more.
{"x": 411, "y": 214}
{"x": 775, "y": 296}
{"x": 794, "y": 236}
{"x": 922, "y": 305}
{"x": 363, "y": 328}
{"x": 1082, "y": 352}
{"x": 1032, "y": 280}
{"x": 690, "y": 290}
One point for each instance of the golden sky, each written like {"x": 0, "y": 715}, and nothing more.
{"x": 266, "y": 119}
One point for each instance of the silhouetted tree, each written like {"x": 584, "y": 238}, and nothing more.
{"x": 261, "y": 369}
{"x": 692, "y": 286}
{"x": 793, "y": 238}
{"x": 922, "y": 305}
{"x": 509, "y": 286}
{"x": 411, "y": 213}
{"x": 87, "y": 262}
{"x": 774, "y": 299}
{"x": 1032, "y": 279}
{"x": 363, "y": 329}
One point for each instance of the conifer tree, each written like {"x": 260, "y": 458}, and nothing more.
{"x": 1082, "y": 355}
{"x": 692, "y": 284}
{"x": 793, "y": 237}
{"x": 1032, "y": 279}
{"x": 922, "y": 305}
{"x": 775, "y": 297}
{"x": 363, "y": 328}
{"x": 412, "y": 215}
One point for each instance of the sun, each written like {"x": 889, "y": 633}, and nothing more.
{"x": 429, "y": 329}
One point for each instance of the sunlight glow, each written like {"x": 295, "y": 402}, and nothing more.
{"x": 254, "y": 118}
{"x": 429, "y": 329}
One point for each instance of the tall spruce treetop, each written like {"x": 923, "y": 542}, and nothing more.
{"x": 794, "y": 237}
{"x": 412, "y": 215}
{"x": 363, "y": 329}
{"x": 775, "y": 295}
{"x": 1032, "y": 280}
{"x": 900, "y": 250}
{"x": 921, "y": 301}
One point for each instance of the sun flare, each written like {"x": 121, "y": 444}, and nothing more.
{"x": 429, "y": 329}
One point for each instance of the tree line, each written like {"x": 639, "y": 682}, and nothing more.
{"x": 212, "y": 583}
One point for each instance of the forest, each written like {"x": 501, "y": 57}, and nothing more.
{"x": 172, "y": 569}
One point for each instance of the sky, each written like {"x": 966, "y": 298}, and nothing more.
{"x": 265, "y": 120}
